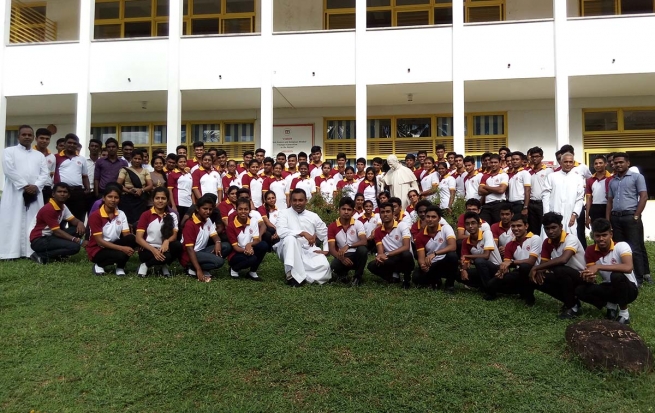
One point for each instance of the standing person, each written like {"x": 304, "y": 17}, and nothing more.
{"x": 43, "y": 137}
{"x": 248, "y": 248}
{"x": 399, "y": 179}
{"x": 446, "y": 187}
{"x": 519, "y": 185}
{"x": 128, "y": 149}
{"x": 145, "y": 162}
{"x": 410, "y": 161}
{"x": 538, "y": 174}
{"x": 228, "y": 206}
{"x": 71, "y": 169}
{"x": 315, "y": 166}
{"x": 61, "y": 144}
{"x": 156, "y": 234}
{"x": 108, "y": 168}
{"x": 231, "y": 177}
{"x": 347, "y": 243}
{"x": 198, "y": 256}
{"x": 243, "y": 166}
{"x": 260, "y": 155}
{"x": 450, "y": 157}
{"x": 459, "y": 174}
{"x": 206, "y": 180}
{"x": 585, "y": 173}
{"x": 419, "y": 168}
{"x": 26, "y": 173}
{"x": 325, "y": 184}
{"x": 361, "y": 168}
{"x": 596, "y": 191}
{"x": 435, "y": 247}
{"x": 471, "y": 180}
{"x": 158, "y": 175}
{"x": 492, "y": 187}
{"x": 170, "y": 163}
{"x": 430, "y": 180}
{"x": 252, "y": 181}
{"x": 339, "y": 172}
{"x": 278, "y": 185}
{"x": 368, "y": 187}
{"x": 198, "y": 152}
{"x": 269, "y": 212}
{"x": 220, "y": 163}
{"x": 440, "y": 151}
{"x": 292, "y": 161}
{"x": 181, "y": 150}
{"x": 303, "y": 182}
{"x": 47, "y": 239}
{"x": 348, "y": 185}
{"x": 563, "y": 193}
{"x": 136, "y": 184}
{"x": 111, "y": 242}
{"x": 95, "y": 146}
{"x": 298, "y": 230}
{"x": 626, "y": 200}
{"x": 180, "y": 184}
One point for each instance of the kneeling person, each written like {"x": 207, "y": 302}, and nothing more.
{"x": 479, "y": 250}
{"x": 243, "y": 232}
{"x": 198, "y": 255}
{"x": 347, "y": 243}
{"x": 435, "y": 247}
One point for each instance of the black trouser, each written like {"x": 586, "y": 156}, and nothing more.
{"x": 267, "y": 237}
{"x": 560, "y": 283}
{"x": 358, "y": 257}
{"x": 444, "y": 268}
{"x": 174, "y": 252}
{"x": 597, "y": 211}
{"x": 516, "y": 281}
{"x": 106, "y": 256}
{"x": 483, "y": 273}
{"x": 239, "y": 260}
{"x": 517, "y": 207}
{"x": 535, "y": 213}
{"x": 620, "y": 290}
{"x": 52, "y": 247}
{"x": 491, "y": 212}
{"x": 370, "y": 245}
{"x": 401, "y": 263}
{"x": 47, "y": 194}
{"x": 630, "y": 230}
{"x": 582, "y": 220}
{"x": 77, "y": 202}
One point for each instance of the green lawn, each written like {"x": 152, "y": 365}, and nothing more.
{"x": 75, "y": 342}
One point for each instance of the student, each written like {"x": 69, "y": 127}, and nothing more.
{"x": 613, "y": 261}
{"x": 156, "y": 234}
{"x": 383, "y": 197}
{"x": 430, "y": 180}
{"x": 180, "y": 184}
{"x": 563, "y": 193}
{"x": 410, "y": 161}
{"x": 111, "y": 242}
{"x": 260, "y": 155}
{"x": 198, "y": 151}
{"x": 502, "y": 230}
{"x": 359, "y": 206}
{"x": 325, "y": 183}
{"x": 446, "y": 189}
{"x": 440, "y": 151}
{"x": 42, "y": 141}
{"x": 479, "y": 250}
{"x": 171, "y": 163}
{"x": 71, "y": 169}
{"x": 347, "y": 243}
{"x": 471, "y": 205}
{"x": 314, "y": 169}
{"x": 361, "y": 169}
{"x": 231, "y": 177}
{"x": 128, "y": 149}
{"x": 302, "y": 157}
{"x": 269, "y": 212}
{"x": 371, "y": 221}
{"x": 252, "y": 181}
{"x": 394, "y": 256}
{"x": 413, "y": 197}
{"x": 228, "y": 205}
{"x": 368, "y": 187}
{"x": 400, "y": 214}
{"x": 181, "y": 150}
{"x": 435, "y": 247}
{"x": 348, "y": 185}
{"x": 493, "y": 186}
{"x": 206, "y": 180}
{"x": 519, "y": 185}
{"x": 596, "y": 191}
{"x": 471, "y": 180}
{"x": 198, "y": 255}
{"x": 459, "y": 174}
{"x": 47, "y": 239}
{"x": 539, "y": 173}
{"x": 339, "y": 172}
{"x": 418, "y": 216}
{"x": 419, "y": 168}
{"x": 562, "y": 261}
{"x": 303, "y": 182}
{"x": 243, "y": 233}
{"x": 278, "y": 185}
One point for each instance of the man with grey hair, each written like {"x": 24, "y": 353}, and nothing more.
{"x": 563, "y": 193}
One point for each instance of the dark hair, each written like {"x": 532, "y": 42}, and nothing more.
{"x": 597, "y": 157}
{"x": 206, "y": 154}
{"x": 138, "y": 152}
{"x": 567, "y": 148}
{"x": 266, "y": 194}
{"x": 469, "y": 159}
{"x": 535, "y": 149}
{"x": 505, "y": 206}
{"x": 494, "y": 156}
{"x": 385, "y": 205}
{"x": 177, "y": 158}
{"x": 444, "y": 164}
{"x": 412, "y": 190}
{"x": 623, "y": 155}
{"x": 198, "y": 144}
{"x": 315, "y": 149}
{"x": 451, "y": 153}
{"x": 168, "y": 224}
{"x": 158, "y": 152}
{"x": 72, "y": 136}
{"x": 341, "y": 155}
{"x": 253, "y": 161}
{"x": 377, "y": 159}
{"x": 61, "y": 185}
{"x": 349, "y": 168}
{"x": 361, "y": 160}
{"x": 45, "y": 132}
{"x": 242, "y": 191}
{"x": 518, "y": 153}
{"x": 279, "y": 163}
{"x": 292, "y": 155}
{"x": 558, "y": 153}
{"x": 440, "y": 146}
{"x": 519, "y": 217}
{"x": 111, "y": 140}
{"x": 303, "y": 164}
{"x": 281, "y": 154}
{"x": 260, "y": 150}
{"x": 601, "y": 225}
{"x": 61, "y": 140}
{"x": 178, "y": 147}
{"x": 21, "y": 127}
{"x": 375, "y": 185}
{"x": 368, "y": 201}
{"x": 241, "y": 201}
{"x": 326, "y": 163}
{"x": 410, "y": 156}
{"x": 459, "y": 155}
{"x": 551, "y": 218}
{"x": 94, "y": 140}
{"x": 232, "y": 188}
{"x": 205, "y": 199}
{"x": 471, "y": 214}
{"x": 473, "y": 201}
{"x": 435, "y": 209}
{"x": 385, "y": 193}
{"x": 395, "y": 200}
{"x": 270, "y": 160}
{"x": 171, "y": 156}
{"x": 504, "y": 148}
{"x": 298, "y": 191}
{"x": 246, "y": 153}
{"x": 423, "y": 203}
{"x": 485, "y": 155}
{"x": 221, "y": 152}
{"x": 127, "y": 143}
{"x": 429, "y": 158}
{"x": 113, "y": 187}
{"x": 422, "y": 152}
{"x": 302, "y": 154}
{"x": 152, "y": 162}
{"x": 346, "y": 200}
{"x": 359, "y": 195}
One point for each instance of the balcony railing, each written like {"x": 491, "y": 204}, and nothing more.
{"x": 29, "y": 24}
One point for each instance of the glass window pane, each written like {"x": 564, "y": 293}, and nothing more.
{"x": 206, "y": 6}
{"x": 341, "y": 129}
{"x": 445, "y": 126}
{"x": 204, "y": 26}
{"x": 107, "y": 31}
{"x": 239, "y": 132}
{"x": 159, "y": 134}
{"x": 378, "y": 19}
{"x": 598, "y": 7}
{"x": 11, "y": 138}
{"x": 638, "y": 119}
{"x": 162, "y": 29}
{"x": 378, "y": 128}
{"x": 137, "y": 8}
{"x": 601, "y": 121}
{"x": 340, "y": 4}
{"x": 162, "y": 8}
{"x": 489, "y": 125}
{"x": 341, "y": 21}
{"x": 378, "y": 3}
{"x": 103, "y": 132}
{"x": 636, "y": 6}
{"x": 107, "y": 10}
{"x": 413, "y": 18}
{"x": 183, "y": 133}
{"x": 209, "y": 132}
{"x": 443, "y": 15}
{"x": 139, "y": 135}
{"x": 185, "y": 8}
{"x": 414, "y": 128}
{"x": 239, "y": 6}
{"x": 411, "y": 2}
{"x": 484, "y": 14}
{"x": 138, "y": 29}
{"x": 243, "y": 25}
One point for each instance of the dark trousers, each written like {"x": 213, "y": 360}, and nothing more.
{"x": 239, "y": 260}
{"x": 560, "y": 283}
{"x": 597, "y": 211}
{"x": 483, "y": 273}
{"x": 174, "y": 252}
{"x": 267, "y": 237}
{"x": 535, "y": 213}
{"x": 444, "y": 268}
{"x": 208, "y": 260}
{"x": 52, "y": 247}
{"x": 401, "y": 263}
{"x": 630, "y": 230}
{"x": 47, "y": 194}
{"x": 77, "y": 202}
{"x": 516, "y": 281}
{"x": 620, "y": 290}
{"x": 491, "y": 212}
{"x": 358, "y": 257}
{"x": 582, "y": 219}
{"x": 517, "y": 207}
{"x": 106, "y": 257}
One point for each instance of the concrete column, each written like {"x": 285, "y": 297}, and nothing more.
{"x": 83, "y": 120}
{"x": 561, "y": 74}
{"x": 5, "y": 15}
{"x": 458, "y": 76}
{"x": 174, "y": 107}
{"x": 83, "y": 114}
{"x": 361, "y": 99}
{"x": 266, "y": 52}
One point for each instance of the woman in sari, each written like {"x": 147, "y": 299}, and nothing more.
{"x": 137, "y": 184}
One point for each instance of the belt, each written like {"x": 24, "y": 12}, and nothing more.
{"x": 622, "y": 213}
{"x": 536, "y": 201}
{"x": 77, "y": 188}
{"x": 493, "y": 203}
{"x": 516, "y": 202}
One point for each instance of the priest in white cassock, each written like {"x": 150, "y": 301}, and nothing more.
{"x": 26, "y": 173}
{"x": 299, "y": 230}
{"x": 564, "y": 193}
{"x": 400, "y": 180}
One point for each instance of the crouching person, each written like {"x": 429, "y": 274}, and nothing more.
{"x": 243, "y": 233}
{"x": 198, "y": 255}
{"x": 347, "y": 243}
{"x": 47, "y": 239}
{"x": 435, "y": 246}
{"x": 480, "y": 251}
{"x": 614, "y": 264}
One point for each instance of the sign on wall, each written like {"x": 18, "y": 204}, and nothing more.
{"x": 293, "y": 138}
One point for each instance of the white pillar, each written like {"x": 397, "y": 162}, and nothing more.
{"x": 5, "y": 15}
{"x": 266, "y": 104}
{"x": 458, "y": 76}
{"x": 361, "y": 98}
{"x": 561, "y": 74}
{"x": 83, "y": 119}
{"x": 83, "y": 113}
{"x": 174, "y": 106}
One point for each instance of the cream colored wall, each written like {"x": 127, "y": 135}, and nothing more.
{"x": 297, "y": 15}
{"x": 528, "y": 9}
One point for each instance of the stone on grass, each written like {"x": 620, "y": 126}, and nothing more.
{"x": 608, "y": 345}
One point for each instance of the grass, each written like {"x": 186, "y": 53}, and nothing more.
{"x": 75, "y": 342}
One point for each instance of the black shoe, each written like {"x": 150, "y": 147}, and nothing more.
{"x": 37, "y": 258}
{"x": 449, "y": 290}
{"x": 356, "y": 282}
{"x": 611, "y": 314}
{"x": 293, "y": 283}
{"x": 489, "y": 297}
{"x": 528, "y": 299}
{"x": 406, "y": 285}
{"x": 394, "y": 280}
{"x": 569, "y": 314}
{"x": 623, "y": 320}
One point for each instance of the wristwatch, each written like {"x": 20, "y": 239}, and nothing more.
{"x": 636, "y": 217}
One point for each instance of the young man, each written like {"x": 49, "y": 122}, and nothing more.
{"x": 281, "y": 157}
{"x": 399, "y": 213}
{"x": 71, "y": 169}
{"x": 347, "y": 243}
{"x": 303, "y": 182}
{"x": 47, "y": 239}
{"x": 520, "y": 182}
{"x": 493, "y": 186}
{"x": 418, "y": 216}
{"x": 371, "y": 221}
{"x": 394, "y": 256}
{"x": 562, "y": 261}
{"x": 43, "y": 137}
{"x": 95, "y": 145}
{"x": 260, "y": 154}
{"x": 435, "y": 247}
{"x": 471, "y": 205}
{"x": 614, "y": 264}
{"x": 440, "y": 151}
{"x": 198, "y": 152}
{"x": 502, "y": 230}
{"x": 128, "y": 148}
{"x": 410, "y": 161}
{"x": 379, "y": 175}
{"x": 459, "y": 173}
{"x": 61, "y": 144}
{"x": 302, "y": 157}
{"x": 292, "y": 161}
{"x": 596, "y": 191}
{"x": 471, "y": 179}
{"x": 450, "y": 158}
{"x": 315, "y": 165}
{"x": 563, "y": 193}
{"x": 108, "y": 168}
{"x": 538, "y": 174}
{"x": 220, "y": 163}
{"x": 339, "y": 173}
{"x": 179, "y": 150}
{"x": 484, "y": 168}
{"x": 243, "y": 166}
{"x": 361, "y": 169}
{"x": 479, "y": 250}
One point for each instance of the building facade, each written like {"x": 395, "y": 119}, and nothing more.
{"x": 371, "y": 77}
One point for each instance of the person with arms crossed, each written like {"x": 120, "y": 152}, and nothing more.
{"x": 198, "y": 255}
{"x": 596, "y": 191}
{"x": 107, "y": 169}
{"x": 243, "y": 233}
{"x": 519, "y": 185}
{"x": 71, "y": 169}
{"x": 563, "y": 193}
{"x": 538, "y": 174}
{"x": 493, "y": 186}
{"x": 435, "y": 247}
{"x": 347, "y": 243}
{"x": 43, "y": 137}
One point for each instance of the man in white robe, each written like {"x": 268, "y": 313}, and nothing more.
{"x": 298, "y": 230}
{"x": 400, "y": 180}
{"x": 26, "y": 171}
{"x": 564, "y": 193}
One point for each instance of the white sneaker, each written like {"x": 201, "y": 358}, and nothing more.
{"x": 143, "y": 270}
{"x": 253, "y": 276}
{"x": 207, "y": 274}
{"x": 120, "y": 272}
{"x": 396, "y": 275}
{"x": 233, "y": 273}
{"x": 165, "y": 271}
{"x": 97, "y": 270}
{"x": 192, "y": 272}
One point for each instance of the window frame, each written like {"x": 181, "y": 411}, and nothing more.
{"x": 617, "y": 8}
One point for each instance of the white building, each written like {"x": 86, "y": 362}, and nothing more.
{"x": 400, "y": 75}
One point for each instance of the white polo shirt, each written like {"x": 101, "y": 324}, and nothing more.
{"x": 471, "y": 185}
{"x": 91, "y": 169}
{"x": 597, "y": 188}
{"x": 436, "y": 242}
{"x": 566, "y": 242}
{"x": 530, "y": 247}
{"x": 501, "y": 234}
{"x": 517, "y": 184}
{"x": 70, "y": 170}
{"x": 150, "y": 224}
{"x": 538, "y": 180}
{"x": 393, "y": 239}
{"x": 494, "y": 181}
{"x": 370, "y": 224}
{"x": 242, "y": 234}
{"x": 446, "y": 184}
{"x": 430, "y": 181}
{"x": 485, "y": 242}
{"x": 343, "y": 236}
{"x": 308, "y": 185}
{"x": 613, "y": 257}
{"x": 280, "y": 188}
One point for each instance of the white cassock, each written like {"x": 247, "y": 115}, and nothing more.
{"x": 564, "y": 193}
{"x": 298, "y": 256}
{"x": 400, "y": 179}
{"x": 21, "y": 167}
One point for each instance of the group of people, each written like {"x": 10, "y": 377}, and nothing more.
{"x": 523, "y": 229}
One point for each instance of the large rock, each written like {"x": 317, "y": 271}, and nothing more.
{"x": 608, "y": 345}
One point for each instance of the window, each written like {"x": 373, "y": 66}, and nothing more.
{"x": 11, "y": 137}
{"x": 615, "y": 7}
{"x": 340, "y": 14}
{"x": 234, "y": 137}
{"x": 219, "y": 17}
{"x": 29, "y": 24}
{"x": 601, "y": 121}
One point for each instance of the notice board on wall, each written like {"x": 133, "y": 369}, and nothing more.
{"x": 293, "y": 138}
